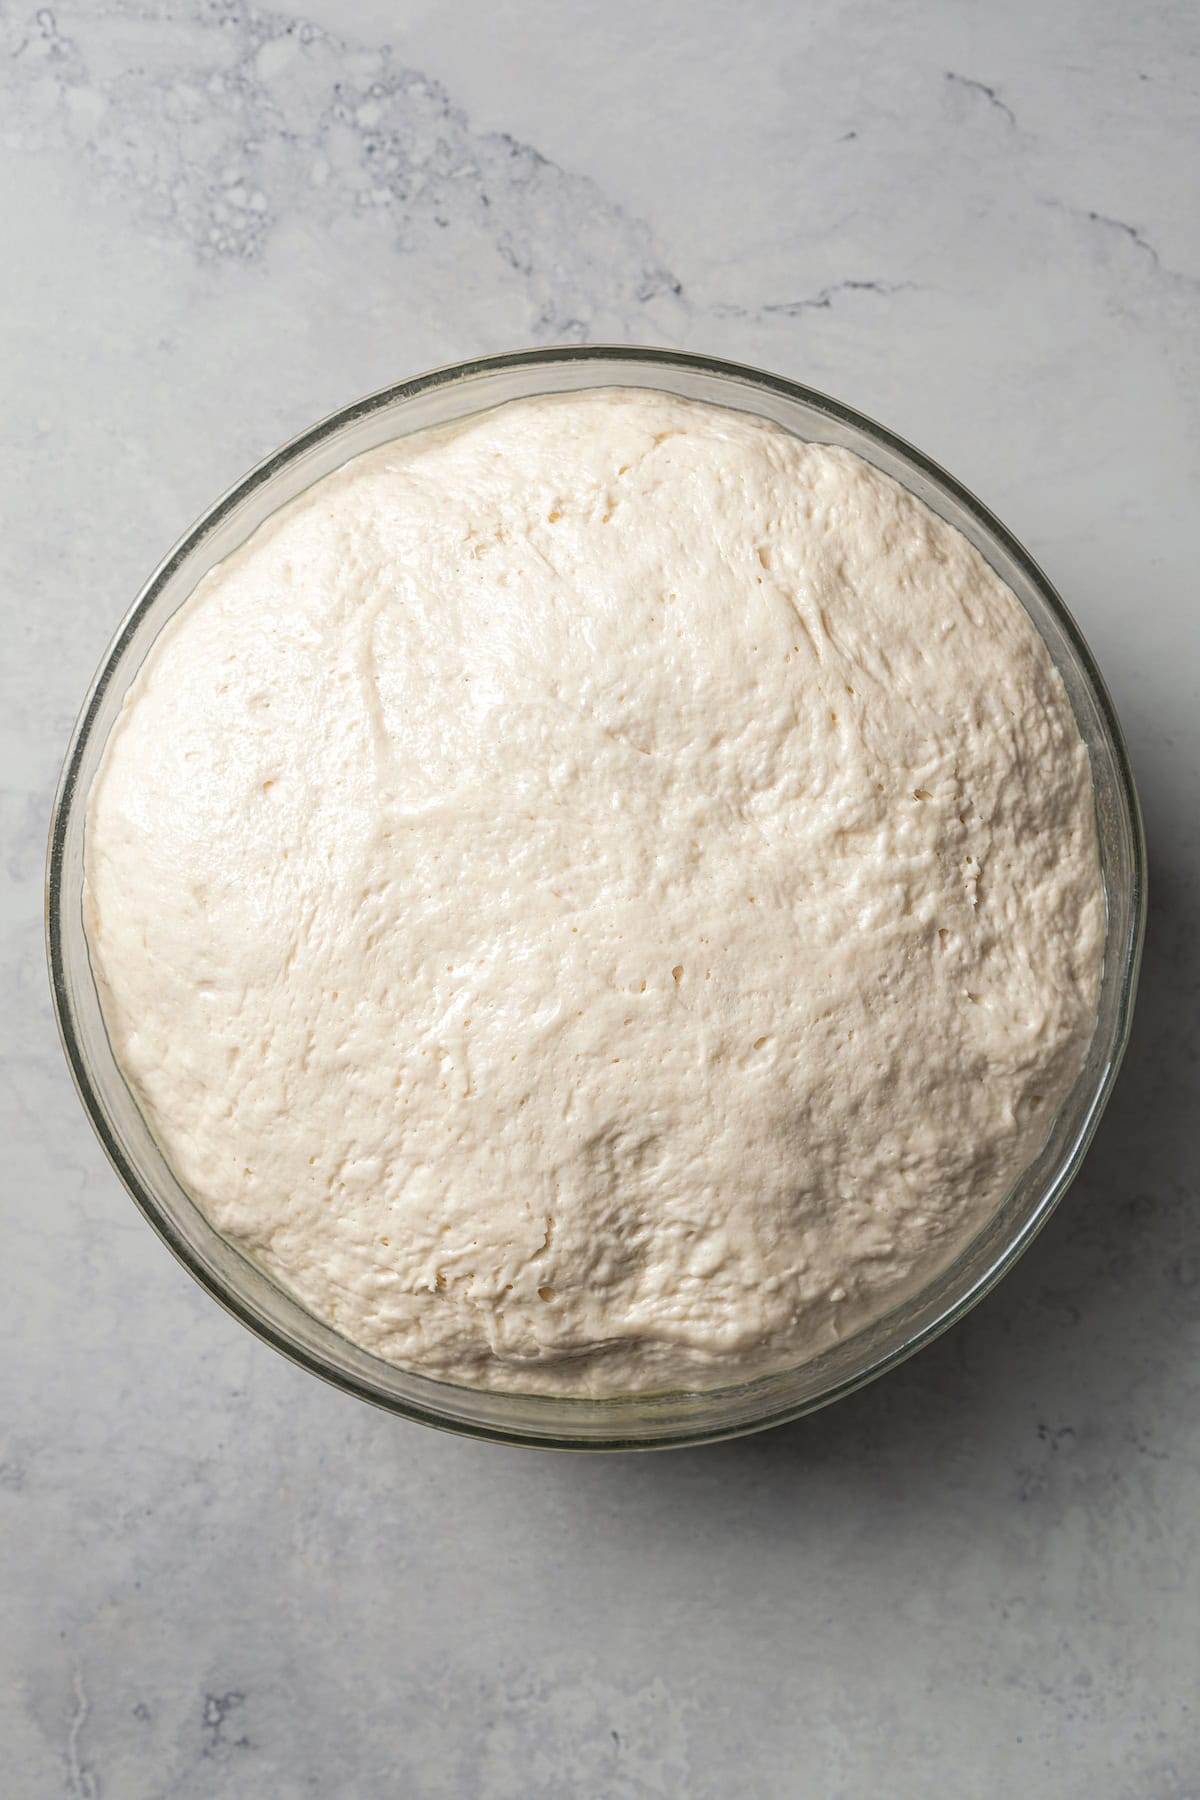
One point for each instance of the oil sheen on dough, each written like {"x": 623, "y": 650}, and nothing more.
{"x": 602, "y": 898}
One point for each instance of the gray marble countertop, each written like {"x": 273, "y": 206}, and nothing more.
{"x": 978, "y": 1578}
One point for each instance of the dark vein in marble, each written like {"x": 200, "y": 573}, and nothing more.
{"x": 824, "y": 300}
{"x": 981, "y": 87}
{"x": 1131, "y": 232}
{"x": 1089, "y": 216}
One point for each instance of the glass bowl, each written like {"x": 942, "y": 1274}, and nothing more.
{"x": 645, "y": 1421}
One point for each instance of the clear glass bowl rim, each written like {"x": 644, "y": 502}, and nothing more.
{"x": 440, "y": 1410}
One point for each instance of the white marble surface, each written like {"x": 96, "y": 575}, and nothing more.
{"x": 979, "y": 224}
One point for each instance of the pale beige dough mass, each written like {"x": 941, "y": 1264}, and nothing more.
{"x": 605, "y": 897}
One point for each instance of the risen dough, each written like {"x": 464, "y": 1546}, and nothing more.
{"x": 602, "y": 898}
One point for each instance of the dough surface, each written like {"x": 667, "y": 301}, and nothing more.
{"x": 603, "y": 898}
